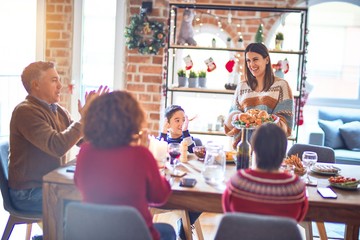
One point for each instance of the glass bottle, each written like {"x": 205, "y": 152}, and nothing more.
{"x": 243, "y": 151}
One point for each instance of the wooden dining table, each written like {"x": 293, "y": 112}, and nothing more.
{"x": 59, "y": 189}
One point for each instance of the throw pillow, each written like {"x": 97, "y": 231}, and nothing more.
{"x": 350, "y": 132}
{"x": 332, "y": 133}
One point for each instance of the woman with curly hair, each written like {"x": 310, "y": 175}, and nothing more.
{"x": 112, "y": 168}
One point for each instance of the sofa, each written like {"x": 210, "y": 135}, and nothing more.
{"x": 340, "y": 130}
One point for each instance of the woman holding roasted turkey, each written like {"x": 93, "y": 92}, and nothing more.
{"x": 262, "y": 90}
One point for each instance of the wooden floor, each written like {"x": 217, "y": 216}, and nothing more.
{"x": 209, "y": 222}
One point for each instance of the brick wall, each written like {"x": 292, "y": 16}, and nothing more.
{"x": 144, "y": 73}
{"x": 59, "y": 29}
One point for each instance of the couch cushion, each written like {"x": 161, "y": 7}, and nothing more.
{"x": 346, "y": 115}
{"x": 345, "y": 156}
{"x": 350, "y": 133}
{"x": 332, "y": 133}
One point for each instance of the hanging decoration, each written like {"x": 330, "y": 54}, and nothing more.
{"x": 281, "y": 67}
{"x": 188, "y": 62}
{"x": 210, "y": 64}
{"x": 230, "y": 65}
{"x": 145, "y": 35}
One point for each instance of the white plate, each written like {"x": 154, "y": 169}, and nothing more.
{"x": 344, "y": 187}
{"x": 329, "y": 173}
{"x": 238, "y": 126}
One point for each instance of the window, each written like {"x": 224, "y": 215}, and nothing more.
{"x": 98, "y": 40}
{"x": 18, "y": 37}
{"x": 333, "y": 61}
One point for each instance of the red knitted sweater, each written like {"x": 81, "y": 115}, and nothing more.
{"x": 266, "y": 193}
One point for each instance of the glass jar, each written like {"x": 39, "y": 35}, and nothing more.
{"x": 214, "y": 164}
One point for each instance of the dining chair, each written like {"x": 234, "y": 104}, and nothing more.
{"x": 249, "y": 226}
{"x": 89, "y": 221}
{"x": 16, "y": 216}
{"x": 198, "y": 142}
{"x": 325, "y": 155}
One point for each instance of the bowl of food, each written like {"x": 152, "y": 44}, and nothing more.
{"x": 230, "y": 156}
{"x": 200, "y": 152}
{"x": 296, "y": 162}
{"x": 346, "y": 183}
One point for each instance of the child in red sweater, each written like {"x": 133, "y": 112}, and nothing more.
{"x": 265, "y": 189}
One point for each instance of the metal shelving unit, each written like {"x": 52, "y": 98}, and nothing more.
{"x": 173, "y": 48}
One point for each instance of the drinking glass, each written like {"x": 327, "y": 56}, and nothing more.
{"x": 174, "y": 152}
{"x": 309, "y": 159}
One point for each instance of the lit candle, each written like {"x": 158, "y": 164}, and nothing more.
{"x": 159, "y": 150}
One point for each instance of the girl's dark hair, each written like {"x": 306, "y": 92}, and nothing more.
{"x": 113, "y": 119}
{"x": 269, "y": 143}
{"x": 171, "y": 110}
{"x": 269, "y": 74}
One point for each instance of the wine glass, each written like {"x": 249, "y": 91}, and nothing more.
{"x": 309, "y": 159}
{"x": 174, "y": 152}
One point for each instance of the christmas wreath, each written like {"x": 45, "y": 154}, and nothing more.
{"x": 147, "y": 36}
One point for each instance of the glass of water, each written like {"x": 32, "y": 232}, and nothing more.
{"x": 309, "y": 159}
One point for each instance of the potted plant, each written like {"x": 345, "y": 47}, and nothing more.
{"x": 181, "y": 77}
{"x": 279, "y": 38}
{"x": 193, "y": 79}
{"x": 202, "y": 78}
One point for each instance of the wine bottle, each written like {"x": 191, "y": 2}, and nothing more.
{"x": 243, "y": 151}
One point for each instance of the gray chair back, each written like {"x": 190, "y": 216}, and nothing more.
{"x": 246, "y": 226}
{"x": 197, "y": 142}
{"x": 16, "y": 216}
{"x": 87, "y": 221}
{"x": 325, "y": 154}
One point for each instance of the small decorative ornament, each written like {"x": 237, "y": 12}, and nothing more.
{"x": 213, "y": 43}
{"x": 210, "y": 64}
{"x": 186, "y": 34}
{"x": 240, "y": 43}
{"x": 259, "y": 37}
{"x": 281, "y": 67}
{"x": 228, "y": 42}
{"x": 148, "y": 36}
{"x": 188, "y": 62}
{"x": 230, "y": 65}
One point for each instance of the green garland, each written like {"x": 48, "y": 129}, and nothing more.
{"x": 138, "y": 35}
